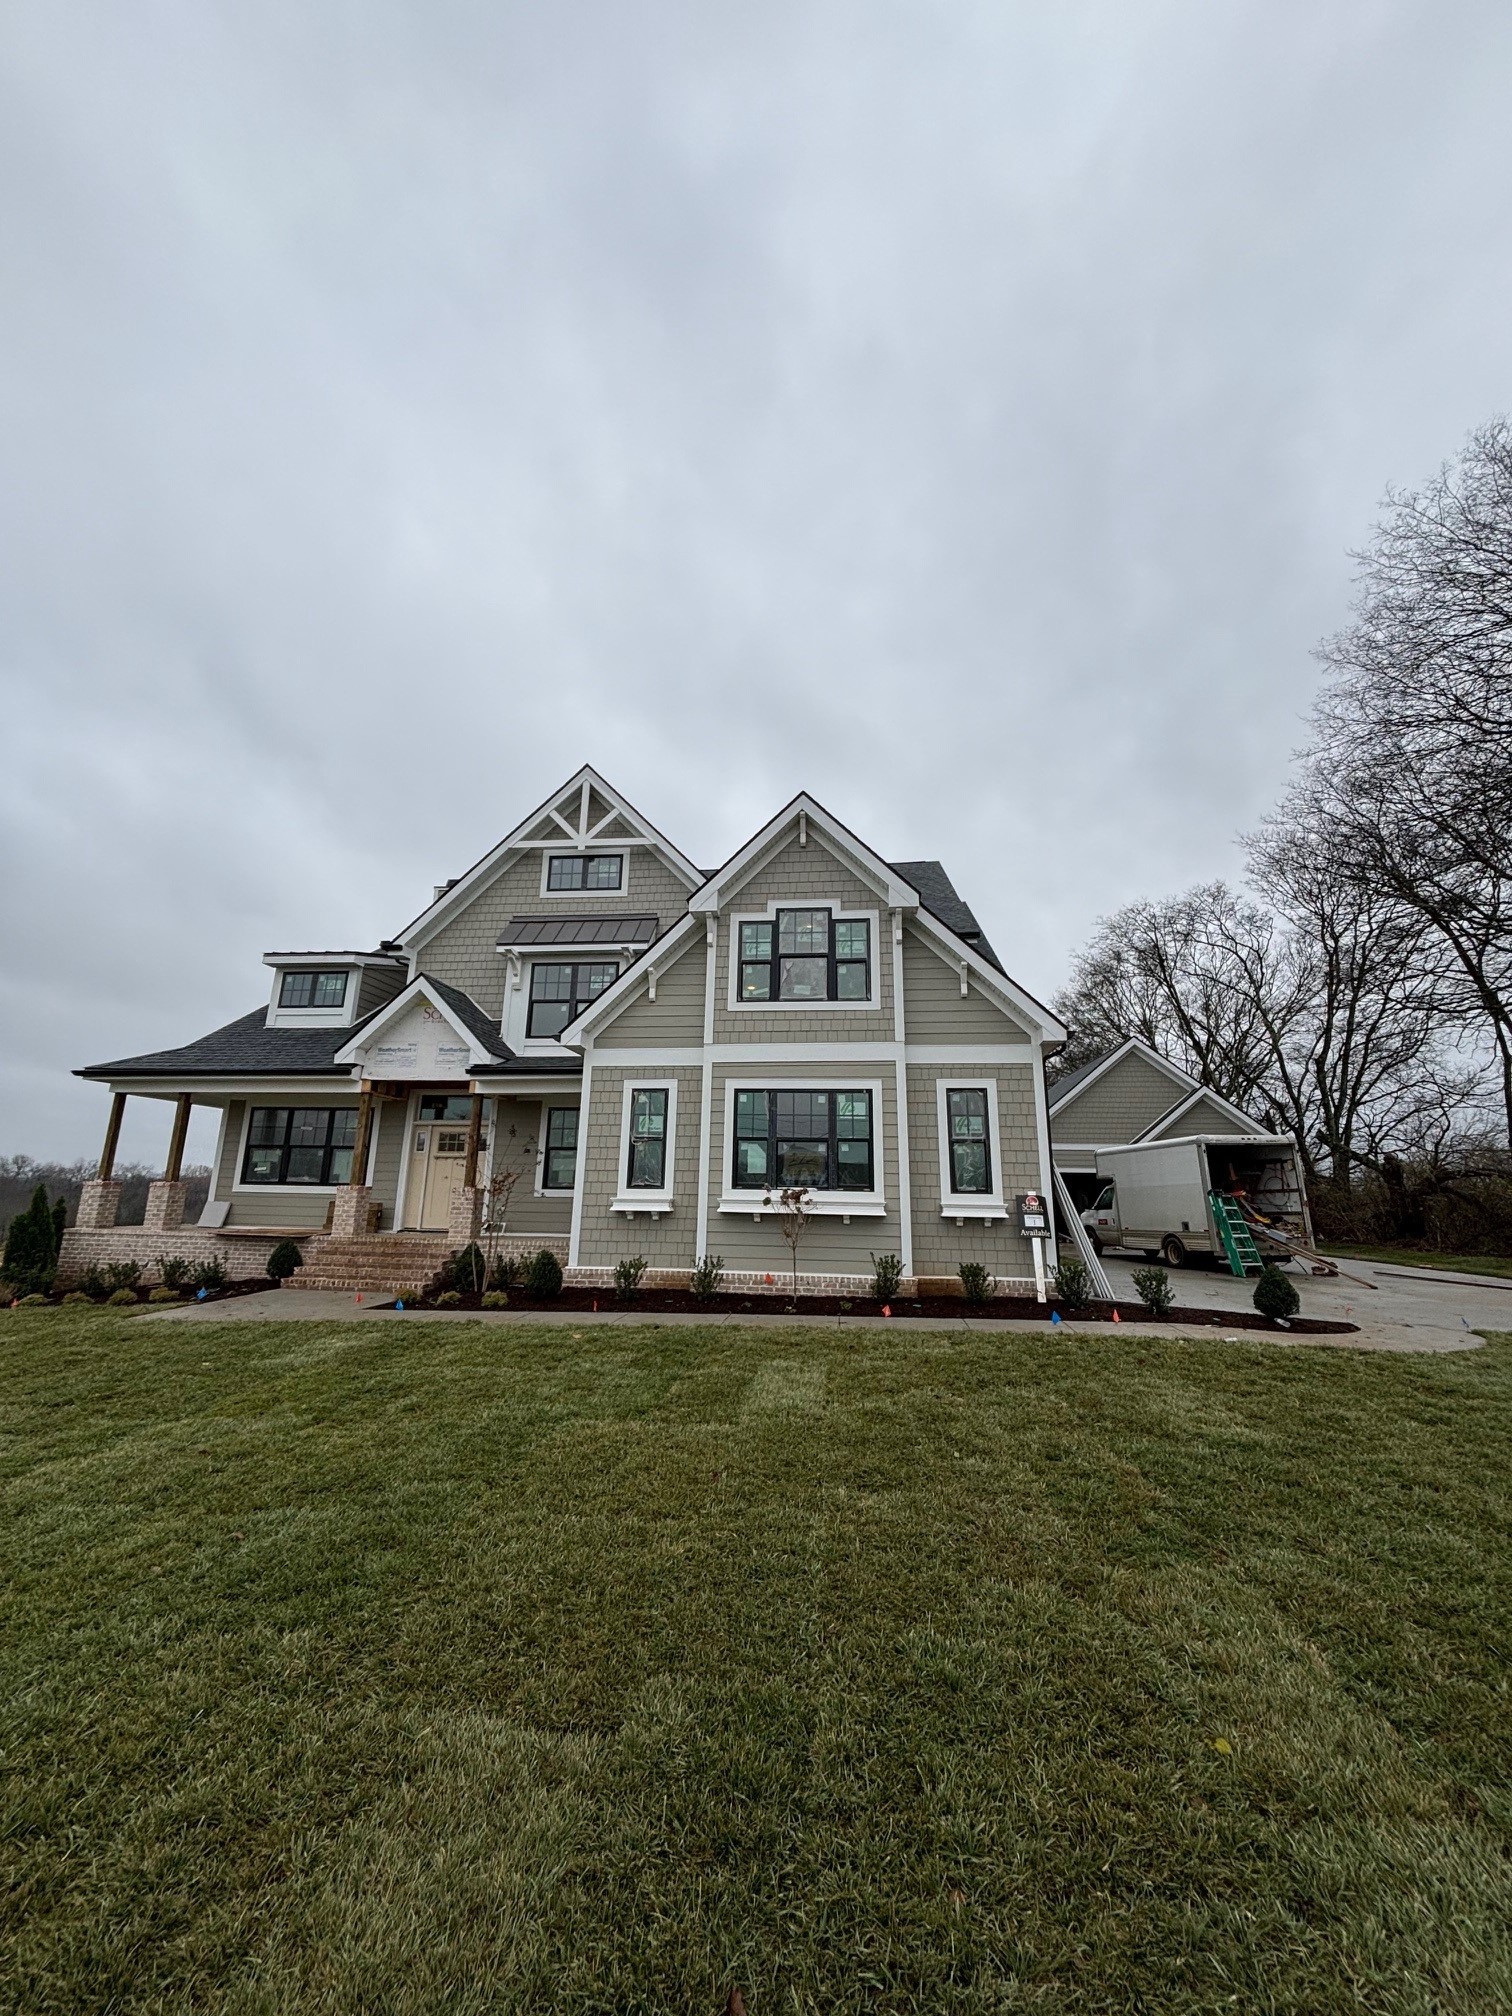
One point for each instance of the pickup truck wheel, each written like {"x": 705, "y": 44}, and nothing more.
{"x": 1173, "y": 1252}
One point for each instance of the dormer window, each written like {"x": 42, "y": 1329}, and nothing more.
{"x": 313, "y": 990}
{"x": 566, "y": 872}
{"x": 806, "y": 955}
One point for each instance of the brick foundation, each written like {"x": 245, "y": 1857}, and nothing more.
{"x": 244, "y": 1259}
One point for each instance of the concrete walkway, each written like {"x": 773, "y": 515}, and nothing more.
{"x": 284, "y": 1305}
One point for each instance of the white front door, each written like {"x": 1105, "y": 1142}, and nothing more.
{"x": 437, "y": 1161}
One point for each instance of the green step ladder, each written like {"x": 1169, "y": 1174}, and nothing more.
{"x": 1238, "y": 1243}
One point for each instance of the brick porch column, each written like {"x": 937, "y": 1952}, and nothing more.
{"x": 350, "y": 1207}
{"x": 466, "y": 1219}
{"x": 165, "y": 1206}
{"x": 100, "y": 1196}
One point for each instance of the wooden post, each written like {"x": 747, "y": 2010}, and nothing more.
{"x": 364, "y": 1129}
{"x": 112, "y": 1137}
{"x": 474, "y": 1137}
{"x": 175, "y": 1162}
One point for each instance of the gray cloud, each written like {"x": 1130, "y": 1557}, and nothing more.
{"x": 960, "y": 413}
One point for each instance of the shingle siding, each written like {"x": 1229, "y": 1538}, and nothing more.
{"x": 465, "y": 950}
{"x": 1207, "y": 1118}
{"x": 1130, "y": 1096}
{"x": 375, "y": 985}
{"x": 665, "y": 1240}
{"x": 517, "y": 1139}
{"x": 676, "y": 1016}
{"x": 939, "y": 1244}
{"x": 935, "y": 1009}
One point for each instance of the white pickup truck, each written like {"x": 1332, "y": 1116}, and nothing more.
{"x": 1157, "y": 1197}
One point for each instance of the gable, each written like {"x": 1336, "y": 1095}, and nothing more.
{"x": 795, "y": 873}
{"x": 1120, "y": 1104}
{"x": 1207, "y": 1116}
{"x": 675, "y": 1017}
{"x": 419, "y": 1042}
{"x": 935, "y": 1010}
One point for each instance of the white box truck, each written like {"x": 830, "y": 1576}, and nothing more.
{"x": 1167, "y": 1199}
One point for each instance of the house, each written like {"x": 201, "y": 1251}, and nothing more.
{"x": 648, "y": 1049}
{"x": 1131, "y": 1093}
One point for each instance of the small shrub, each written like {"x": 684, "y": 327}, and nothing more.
{"x": 39, "y": 1301}
{"x": 77, "y": 1295}
{"x": 163, "y": 1294}
{"x": 469, "y": 1270}
{"x": 123, "y": 1274}
{"x": 976, "y": 1283}
{"x": 1275, "y": 1296}
{"x": 628, "y": 1275}
{"x": 173, "y": 1270}
{"x": 543, "y": 1277}
{"x": 1073, "y": 1284}
{"x": 118, "y": 1298}
{"x": 93, "y": 1284}
{"x": 706, "y": 1276}
{"x": 1153, "y": 1287}
{"x": 495, "y": 1298}
{"x": 282, "y": 1261}
{"x": 449, "y": 1298}
{"x": 209, "y": 1275}
{"x": 887, "y": 1275}
{"x": 505, "y": 1272}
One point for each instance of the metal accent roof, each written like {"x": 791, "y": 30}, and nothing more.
{"x": 578, "y": 931}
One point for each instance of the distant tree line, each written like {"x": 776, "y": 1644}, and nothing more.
{"x": 1358, "y": 991}
{"x": 20, "y": 1175}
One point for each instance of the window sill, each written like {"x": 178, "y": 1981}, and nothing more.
{"x": 653, "y": 1205}
{"x": 826, "y": 1204}
{"x": 985, "y": 1210}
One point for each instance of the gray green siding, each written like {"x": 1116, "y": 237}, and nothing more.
{"x": 676, "y": 1016}
{"x": 1129, "y": 1097}
{"x": 664, "y": 1240}
{"x": 940, "y": 1245}
{"x": 935, "y": 1009}
{"x": 388, "y": 1152}
{"x": 375, "y": 985}
{"x": 225, "y": 1174}
{"x": 516, "y": 1145}
{"x": 1206, "y": 1118}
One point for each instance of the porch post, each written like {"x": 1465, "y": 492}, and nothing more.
{"x": 466, "y": 1217}
{"x": 474, "y": 1137}
{"x": 112, "y": 1138}
{"x": 100, "y": 1196}
{"x": 349, "y": 1208}
{"x": 165, "y": 1197}
{"x": 176, "y": 1143}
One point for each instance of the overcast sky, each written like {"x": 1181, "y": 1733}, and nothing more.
{"x": 963, "y": 411}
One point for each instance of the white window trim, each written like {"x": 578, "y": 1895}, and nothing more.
{"x": 653, "y": 1203}
{"x": 551, "y": 849}
{"x": 239, "y": 1188}
{"x": 987, "y": 1206}
{"x": 517, "y": 999}
{"x": 841, "y": 913}
{"x": 541, "y": 1190}
{"x": 311, "y": 1018}
{"x": 824, "y": 1203}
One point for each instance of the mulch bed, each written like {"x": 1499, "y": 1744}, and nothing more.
{"x": 255, "y": 1286}
{"x": 680, "y": 1302}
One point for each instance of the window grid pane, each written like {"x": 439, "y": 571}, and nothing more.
{"x": 819, "y": 1140}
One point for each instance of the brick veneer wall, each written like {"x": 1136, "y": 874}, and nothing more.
{"x": 243, "y": 1259}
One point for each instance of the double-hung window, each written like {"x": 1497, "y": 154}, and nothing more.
{"x": 584, "y": 871}
{"x": 559, "y": 994}
{"x": 312, "y": 990}
{"x": 559, "y": 1164}
{"x": 806, "y": 955}
{"x": 808, "y": 1140}
{"x": 646, "y": 1163}
{"x": 300, "y": 1144}
{"x": 970, "y": 1141}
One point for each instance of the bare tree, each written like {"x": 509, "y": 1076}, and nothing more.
{"x": 794, "y": 1208}
{"x": 1412, "y": 763}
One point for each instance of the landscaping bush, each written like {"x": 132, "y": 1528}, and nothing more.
{"x": 495, "y": 1298}
{"x": 163, "y": 1294}
{"x": 1073, "y": 1284}
{"x": 173, "y": 1270}
{"x": 543, "y": 1277}
{"x": 37, "y": 1300}
{"x": 706, "y": 1277}
{"x": 120, "y": 1298}
{"x": 31, "y": 1245}
{"x": 123, "y": 1274}
{"x": 77, "y": 1295}
{"x": 1275, "y": 1296}
{"x": 469, "y": 1270}
{"x": 1153, "y": 1287}
{"x": 505, "y": 1272}
{"x": 449, "y": 1298}
{"x": 282, "y": 1262}
{"x": 887, "y": 1275}
{"x": 628, "y": 1275}
{"x": 209, "y": 1275}
{"x": 93, "y": 1284}
{"x": 976, "y": 1283}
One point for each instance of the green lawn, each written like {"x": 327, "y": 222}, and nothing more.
{"x": 1396, "y": 1256}
{"x": 445, "y": 1667}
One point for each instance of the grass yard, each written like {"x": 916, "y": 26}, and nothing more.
{"x": 446, "y": 1667}
{"x": 1396, "y": 1256}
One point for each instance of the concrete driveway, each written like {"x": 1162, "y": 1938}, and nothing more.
{"x": 1415, "y": 1308}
